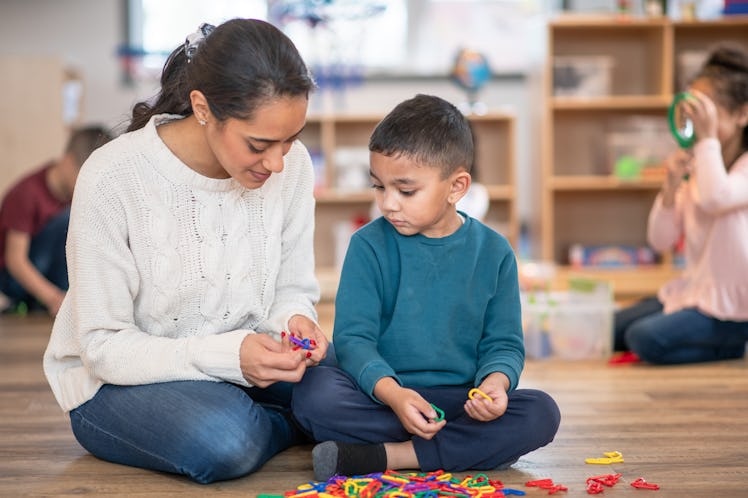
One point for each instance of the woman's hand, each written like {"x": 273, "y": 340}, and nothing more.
{"x": 265, "y": 361}
{"x": 304, "y": 328}
{"x": 494, "y": 386}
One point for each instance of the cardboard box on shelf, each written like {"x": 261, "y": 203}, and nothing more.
{"x": 582, "y": 76}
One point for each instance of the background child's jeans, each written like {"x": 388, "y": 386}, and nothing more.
{"x": 685, "y": 336}
{"x": 47, "y": 254}
{"x": 208, "y": 431}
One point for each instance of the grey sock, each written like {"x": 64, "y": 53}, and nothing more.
{"x": 333, "y": 458}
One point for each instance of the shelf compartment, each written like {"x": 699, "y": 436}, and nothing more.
{"x": 600, "y": 217}
{"x": 637, "y": 48}
{"x": 580, "y": 137}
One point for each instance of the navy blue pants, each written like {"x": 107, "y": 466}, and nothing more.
{"x": 47, "y": 254}
{"x": 328, "y": 404}
{"x": 685, "y": 336}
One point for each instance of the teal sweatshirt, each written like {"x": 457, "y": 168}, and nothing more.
{"x": 428, "y": 311}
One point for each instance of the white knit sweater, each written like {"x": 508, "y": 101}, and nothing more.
{"x": 170, "y": 270}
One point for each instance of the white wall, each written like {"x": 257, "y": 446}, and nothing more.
{"x": 86, "y": 34}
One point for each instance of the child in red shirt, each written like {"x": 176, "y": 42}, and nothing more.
{"x": 33, "y": 226}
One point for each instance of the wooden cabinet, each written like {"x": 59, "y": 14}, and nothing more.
{"x": 583, "y": 201}
{"x": 339, "y": 147}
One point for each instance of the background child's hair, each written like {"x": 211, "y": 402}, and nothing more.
{"x": 240, "y": 65}
{"x": 428, "y": 130}
{"x": 83, "y": 141}
{"x": 727, "y": 69}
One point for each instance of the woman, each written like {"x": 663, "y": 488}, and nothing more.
{"x": 190, "y": 253}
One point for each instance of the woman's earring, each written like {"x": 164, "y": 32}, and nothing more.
{"x": 201, "y": 121}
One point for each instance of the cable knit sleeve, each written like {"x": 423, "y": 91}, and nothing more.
{"x": 296, "y": 286}
{"x": 105, "y": 285}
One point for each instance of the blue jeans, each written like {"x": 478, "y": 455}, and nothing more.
{"x": 328, "y": 404}
{"x": 47, "y": 254}
{"x": 685, "y": 336}
{"x": 208, "y": 431}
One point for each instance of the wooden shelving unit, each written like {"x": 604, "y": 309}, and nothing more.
{"x": 582, "y": 202}
{"x": 324, "y": 135}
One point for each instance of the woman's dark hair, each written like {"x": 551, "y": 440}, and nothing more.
{"x": 727, "y": 69}
{"x": 239, "y": 66}
{"x": 430, "y": 131}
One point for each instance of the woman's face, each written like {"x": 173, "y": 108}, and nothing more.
{"x": 251, "y": 150}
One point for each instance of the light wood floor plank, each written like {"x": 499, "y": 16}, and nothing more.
{"x": 684, "y": 427}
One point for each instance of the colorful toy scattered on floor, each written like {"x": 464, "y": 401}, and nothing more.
{"x": 439, "y": 483}
{"x": 610, "y": 457}
{"x": 397, "y": 484}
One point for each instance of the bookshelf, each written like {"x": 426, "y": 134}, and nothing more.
{"x": 583, "y": 201}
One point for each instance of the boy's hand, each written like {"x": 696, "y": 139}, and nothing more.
{"x": 415, "y": 413}
{"x": 494, "y": 386}
{"x": 304, "y": 328}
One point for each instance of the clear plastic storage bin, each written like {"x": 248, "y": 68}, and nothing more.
{"x": 568, "y": 325}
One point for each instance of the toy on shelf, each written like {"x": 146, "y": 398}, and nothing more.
{"x": 610, "y": 256}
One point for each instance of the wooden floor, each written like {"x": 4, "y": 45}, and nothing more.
{"x": 684, "y": 428}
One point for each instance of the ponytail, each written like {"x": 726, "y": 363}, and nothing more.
{"x": 174, "y": 97}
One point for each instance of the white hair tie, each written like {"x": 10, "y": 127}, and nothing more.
{"x": 194, "y": 39}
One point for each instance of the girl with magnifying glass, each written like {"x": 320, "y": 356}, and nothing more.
{"x": 702, "y": 315}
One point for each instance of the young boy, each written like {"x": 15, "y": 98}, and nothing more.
{"x": 33, "y": 226}
{"x": 427, "y": 309}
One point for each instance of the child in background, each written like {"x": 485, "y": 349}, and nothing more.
{"x": 190, "y": 252}
{"x": 703, "y": 315}
{"x": 33, "y": 226}
{"x": 427, "y": 309}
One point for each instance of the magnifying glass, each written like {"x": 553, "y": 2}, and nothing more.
{"x": 681, "y": 125}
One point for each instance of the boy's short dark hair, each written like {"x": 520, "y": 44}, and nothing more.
{"x": 83, "y": 141}
{"x": 430, "y": 131}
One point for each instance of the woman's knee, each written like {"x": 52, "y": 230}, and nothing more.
{"x": 231, "y": 446}
{"x": 205, "y": 431}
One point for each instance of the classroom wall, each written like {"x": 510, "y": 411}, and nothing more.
{"x": 85, "y": 35}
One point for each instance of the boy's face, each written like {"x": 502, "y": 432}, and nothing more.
{"x": 415, "y": 198}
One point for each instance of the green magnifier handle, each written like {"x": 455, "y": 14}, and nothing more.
{"x": 682, "y": 130}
